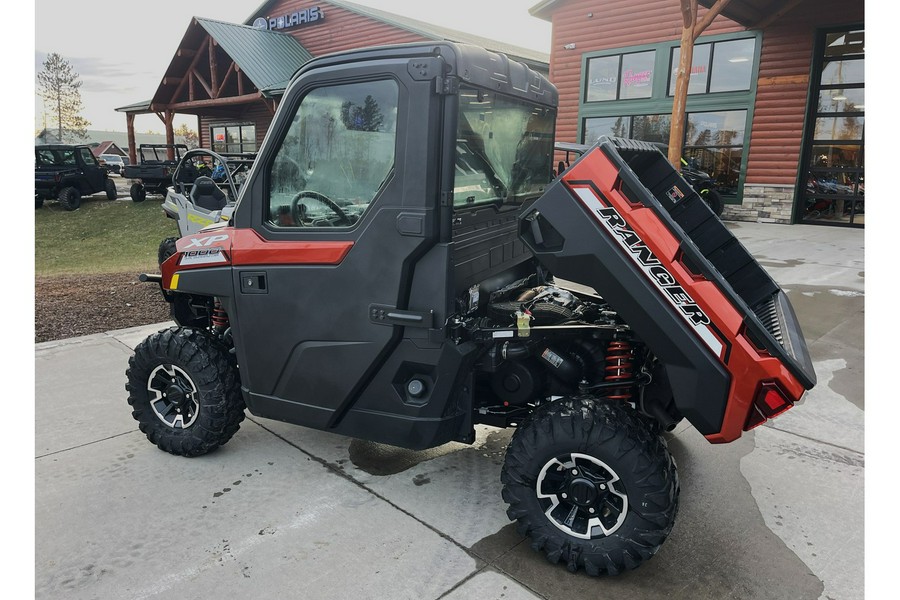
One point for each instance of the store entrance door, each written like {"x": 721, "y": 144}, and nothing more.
{"x": 832, "y": 189}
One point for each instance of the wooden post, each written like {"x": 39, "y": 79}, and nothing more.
{"x": 689, "y": 34}
{"x": 132, "y": 149}
{"x": 682, "y": 79}
{"x": 170, "y": 134}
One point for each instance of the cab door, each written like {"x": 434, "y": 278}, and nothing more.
{"x": 339, "y": 209}
{"x": 95, "y": 176}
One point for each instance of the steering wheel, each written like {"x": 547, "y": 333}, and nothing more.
{"x": 343, "y": 219}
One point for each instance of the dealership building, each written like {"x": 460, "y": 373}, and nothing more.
{"x": 775, "y": 109}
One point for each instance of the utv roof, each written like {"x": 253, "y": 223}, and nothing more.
{"x": 471, "y": 64}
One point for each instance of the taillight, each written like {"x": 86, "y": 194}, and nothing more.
{"x": 769, "y": 403}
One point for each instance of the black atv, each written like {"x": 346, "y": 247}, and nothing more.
{"x": 153, "y": 172}
{"x": 66, "y": 173}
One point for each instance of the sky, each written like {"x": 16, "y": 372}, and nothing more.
{"x": 121, "y": 50}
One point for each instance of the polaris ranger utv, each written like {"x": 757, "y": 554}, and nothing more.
{"x": 403, "y": 264}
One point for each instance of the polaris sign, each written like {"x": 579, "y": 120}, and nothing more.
{"x": 300, "y": 17}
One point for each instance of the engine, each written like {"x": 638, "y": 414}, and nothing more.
{"x": 546, "y": 341}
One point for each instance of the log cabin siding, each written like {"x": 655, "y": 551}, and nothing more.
{"x": 783, "y": 88}
{"x": 340, "y": 29}
{"x": 613, "y": 25}
{"x": 785, "y": 63}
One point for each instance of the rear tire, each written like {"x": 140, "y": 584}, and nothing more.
{"x": 591, "y": 485}
{"x": 111, "y": 191}
{"x": 713, "y": 200}
{"x": 184, "y": 390}
{"x": 137, "y": 192}
{"x": 166, "y": 249}
{"x": 69, "y": 198}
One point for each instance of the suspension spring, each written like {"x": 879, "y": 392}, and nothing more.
{"x": 219, "y": 318}
{"x": 619, "y": 367}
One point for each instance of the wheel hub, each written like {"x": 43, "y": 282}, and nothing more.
{"x": 582, "y": 496}
{"x": 583, "y": 492}
{"x": 173, "y": 396}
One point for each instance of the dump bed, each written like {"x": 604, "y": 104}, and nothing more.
{"x": 622, "y": 220}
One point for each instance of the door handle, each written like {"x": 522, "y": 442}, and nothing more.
{"x": 254, "y": 282}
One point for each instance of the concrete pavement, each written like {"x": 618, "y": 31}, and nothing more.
{"x": 283, "y": 511}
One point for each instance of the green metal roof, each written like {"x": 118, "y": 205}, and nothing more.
{"x": 268, "y": 58}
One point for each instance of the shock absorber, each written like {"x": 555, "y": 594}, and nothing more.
{"x": 219, "y": 318}
{"x": 619, "y": 367}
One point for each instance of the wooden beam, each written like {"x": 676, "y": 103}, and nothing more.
{"x": 186, "y": 52}
{"x": 206, "y": 86}
{"x": 213, "y": 70}
{"x": 171, "y": 80}
{"x": 212, "y": 102}
{"x": 224, "y": 82}
{"x": 161, "y": 117}
{"x": 789, "y": 6}
{"x": 196, "y": 54}
{"x": 711, "y": 14}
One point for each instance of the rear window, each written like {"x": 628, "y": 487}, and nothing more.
{"x": 504, "y": 149}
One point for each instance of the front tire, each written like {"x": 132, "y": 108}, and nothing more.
{"x": 713, "y": 200}
{"x": 591, "y": 486}
{"x": 137, "y": 192}
{"x": 184, "y": 390}
{"x": 166, "y": 249}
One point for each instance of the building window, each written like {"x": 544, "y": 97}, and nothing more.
{"x": 725, "y": 66}
{"x": 833, "y": 185}
{"x": 714, "y": 143}
{"x": 336, "y": 156}
{"x": 620, "y": 77}
{"x": 233, "y": 139}
{"x": 647, "y": 128}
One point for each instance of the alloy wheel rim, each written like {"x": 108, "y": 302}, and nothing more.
{"x": 582, "y": 496}
{"x": 173, "y": 396}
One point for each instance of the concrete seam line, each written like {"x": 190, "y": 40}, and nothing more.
{"x": 83, "y": 445}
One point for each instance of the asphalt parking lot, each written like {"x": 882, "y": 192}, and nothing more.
{"x": 286, "y": 512}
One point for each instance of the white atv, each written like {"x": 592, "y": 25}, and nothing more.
{"x": 196, "y": 198}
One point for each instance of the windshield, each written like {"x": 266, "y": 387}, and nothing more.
{"x": 504, "y": 149}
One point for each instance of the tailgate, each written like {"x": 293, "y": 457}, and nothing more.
{"x": 623, "y": 221}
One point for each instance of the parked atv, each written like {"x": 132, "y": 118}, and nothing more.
{"x": 703, "y": 184}
{"x": 196, "y": 198}
{"x": 403, "y": 265}
{"x": 153, "y": 172}
{"x": 66, "y": 173}
{"x": 698, "y": 179}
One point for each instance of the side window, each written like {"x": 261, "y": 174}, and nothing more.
{"x": 337, "y": 154}
{"x": 88, "y": 157}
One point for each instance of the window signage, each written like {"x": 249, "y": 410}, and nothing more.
{"x": 293, "y": 19}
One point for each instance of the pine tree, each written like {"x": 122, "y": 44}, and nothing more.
{"x": 59, "y": 85}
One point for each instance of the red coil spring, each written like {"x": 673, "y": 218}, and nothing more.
{"x": 619, "y": 367}
{"x": 219, "y": 317}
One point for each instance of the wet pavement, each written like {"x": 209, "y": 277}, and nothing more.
{"x": 284, "y": 511}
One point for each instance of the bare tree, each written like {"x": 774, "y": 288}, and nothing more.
{"x": 191, "y": 139}
{"x": 59, "y": 85}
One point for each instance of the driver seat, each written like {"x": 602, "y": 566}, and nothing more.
{"x": 206, "y": 194}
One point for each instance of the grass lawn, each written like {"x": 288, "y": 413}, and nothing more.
{"x": 102, "y": 236}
